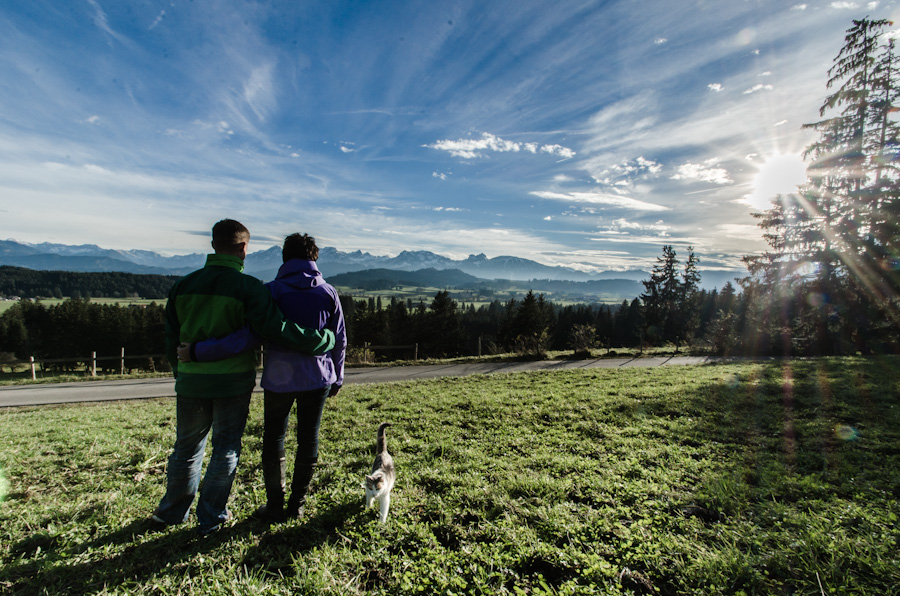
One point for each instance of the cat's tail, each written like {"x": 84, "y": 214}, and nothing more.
{"x": 381, "y": 441}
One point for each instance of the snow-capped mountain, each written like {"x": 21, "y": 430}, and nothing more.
{"x": 89, "y": 257}
{"x": 264, "y": 264}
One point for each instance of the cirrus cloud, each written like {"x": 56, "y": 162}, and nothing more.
{"x": 599, "y": 198}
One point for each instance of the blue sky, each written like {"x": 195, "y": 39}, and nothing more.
{"x": 577, "y": 133}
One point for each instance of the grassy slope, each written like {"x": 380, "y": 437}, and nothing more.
{"x": 771, "y": 478}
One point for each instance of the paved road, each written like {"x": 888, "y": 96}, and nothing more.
{"x": 94, "y": 391}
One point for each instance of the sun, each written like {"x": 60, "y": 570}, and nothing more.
{"x": 778, "y": 174}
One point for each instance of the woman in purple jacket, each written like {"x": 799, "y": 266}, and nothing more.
{"x": 304, "y": 297}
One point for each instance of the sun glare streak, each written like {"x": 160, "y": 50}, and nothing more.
{"x": 790, "y": 436}
{"x": 872, "y": 280}
{"x": 4, "y": 486}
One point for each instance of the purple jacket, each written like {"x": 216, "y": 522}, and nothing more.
{"x": 305, "y": 298}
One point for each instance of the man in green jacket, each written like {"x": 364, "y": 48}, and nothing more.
{"x": 213, "y": 302}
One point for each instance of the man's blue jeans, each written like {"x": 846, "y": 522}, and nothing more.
{"x": 227, "y": 418}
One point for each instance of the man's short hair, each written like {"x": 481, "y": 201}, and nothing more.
{"x": 299, "y": 246}
{"x": 228, "y": 233}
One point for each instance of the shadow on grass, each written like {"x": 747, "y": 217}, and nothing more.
{"x": 276, "y": 549}
{"x": 153, "y": 553}
{"x": 149, "y": 551}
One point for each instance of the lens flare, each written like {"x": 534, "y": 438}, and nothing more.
{"x": 845, "y": 432}
{"x": 816, "y": 299}
{"x": 4, "y": 486}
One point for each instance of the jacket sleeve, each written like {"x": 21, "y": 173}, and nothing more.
{"x": 233, "y": 344}
{"x": 266, "y": 320}
{"x": 339, "y": 353}
{"x": 173, "y": 331}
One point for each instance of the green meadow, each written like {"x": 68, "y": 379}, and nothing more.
{"x": 7, "y": 304}
{"x": 780, "y": 477}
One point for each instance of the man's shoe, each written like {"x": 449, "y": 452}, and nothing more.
{"x": 202, "y": 532}
{"x": 157, "y": 523}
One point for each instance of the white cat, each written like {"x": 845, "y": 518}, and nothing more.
{"x": 380, "y": 482}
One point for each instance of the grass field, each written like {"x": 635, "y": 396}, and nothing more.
{"x": 756, "y": 478}
{"x": 474, "y": 298}
{"x": 7, "y": 304}
{"x": 416, "y": 294}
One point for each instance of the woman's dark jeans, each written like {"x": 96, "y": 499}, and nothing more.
{"x": 310, "y": 405}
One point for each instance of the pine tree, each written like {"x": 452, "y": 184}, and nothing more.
{"x": 661, "y": 297}
{"x": 832, "y": 244}
{"x": 848, "y": 164}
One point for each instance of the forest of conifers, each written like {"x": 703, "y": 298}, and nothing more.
{"x": 28, "y": 283}
{"x": 75, "y": 328}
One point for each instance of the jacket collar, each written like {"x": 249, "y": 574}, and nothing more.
{"x": 215, "y": 260}
{"x": 300, "y": 273}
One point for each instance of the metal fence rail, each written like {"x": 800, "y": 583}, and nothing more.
{"x": 90, "y": 362}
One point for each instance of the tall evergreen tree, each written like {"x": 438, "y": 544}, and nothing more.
{"x": 661, "y": 297}
{"x": 837, "y": 237}
{"x": 444, "y": 333}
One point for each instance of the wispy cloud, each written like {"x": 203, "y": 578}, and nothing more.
{"x": 623, "y": 224}
{"x": 626, "y": 172}
{"x": 101, "y": 20}
{"x": 717, "y": 87}
{"x": 743, "y": 231}
{"x": 705, "y": 172}
{"x": 558, "y": 150}
{"x": 258, "y": 91}
{"x": 758, "y": 88}
{"x": 600, "y": 199}
{"x": 488, "y": 143}
{"x": 158, "y": 19}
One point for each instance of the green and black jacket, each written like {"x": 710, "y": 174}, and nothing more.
{"x": 215, "y": 301}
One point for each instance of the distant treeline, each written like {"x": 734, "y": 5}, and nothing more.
{"x": 534, "y": 325}
{"x": 76, "y": 328}
{"x": 671, "y": 311}
{"x": 28, "y": 283}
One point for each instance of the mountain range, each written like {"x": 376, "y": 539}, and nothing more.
{"x": 264, "y": 264}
